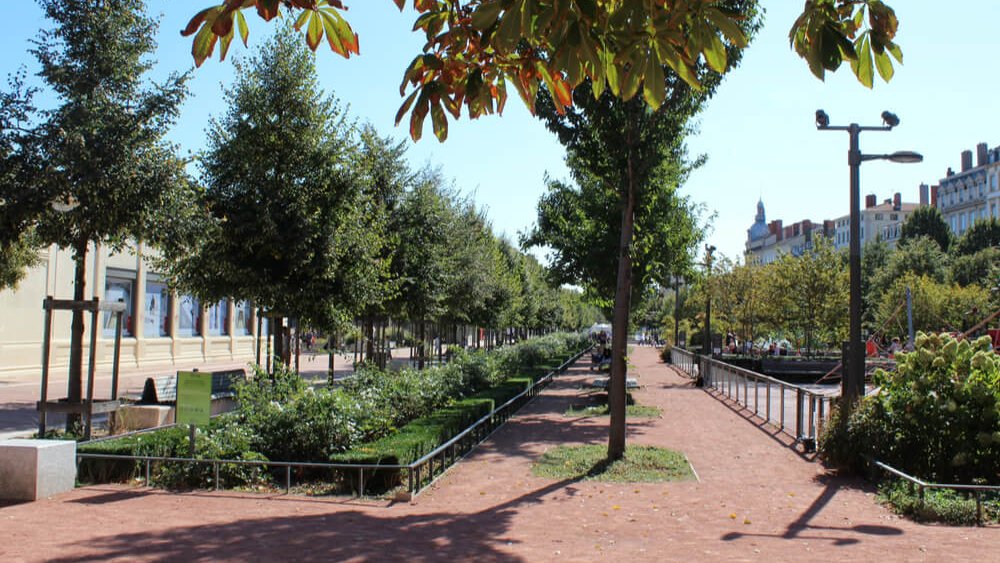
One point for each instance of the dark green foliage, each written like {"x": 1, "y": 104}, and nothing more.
{"x": 224, "y": 438}
{"x": 938, "y": 505}
{"x": 289, "y": 224}
{"x": 927, "y": 221}
{"x": 980, "y": 268}
{"x": 983, "y": 234}
{"x": 396, "y": 415}
{"x": 937, "y": 417}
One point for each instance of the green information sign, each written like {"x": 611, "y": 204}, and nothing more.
{"x": 194, "y": 397}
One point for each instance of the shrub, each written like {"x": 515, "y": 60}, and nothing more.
{"x": 936, "y": 417}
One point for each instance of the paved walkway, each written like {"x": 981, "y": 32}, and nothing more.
{"x": 757, "y": 499}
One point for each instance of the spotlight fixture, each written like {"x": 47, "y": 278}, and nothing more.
{"x": 822, "y": 119}
{"x": 890, "y": 119}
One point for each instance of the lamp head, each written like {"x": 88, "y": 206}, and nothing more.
{"x": 822, "y": 119}
{"x": 890, "y": 119}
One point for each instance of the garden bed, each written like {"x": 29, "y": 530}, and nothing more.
{"x": 378, "y": 419}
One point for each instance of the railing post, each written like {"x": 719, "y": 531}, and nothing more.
{"x": 215, "y": 467}
{"x": 768, "y": 398}
{"x": 288, "y": 479}
{"x": 798, "y": 414}
{"x": 782, "y": 398}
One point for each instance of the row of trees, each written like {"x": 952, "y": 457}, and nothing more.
{"x": 298, "y": 208}
{"x": 804, "y": 298}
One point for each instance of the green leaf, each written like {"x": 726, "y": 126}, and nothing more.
{"x": 486, "y": 15}
{"x": 715, "y": 53}
{"x": 884, "y": 66}
{"x": 241, "y": 24}
{"x": 653, "y": 85}
{"x": 440, "y": 122}
{"x": 862, "y": 65}
{"x": 203, "y": 44}
{"x": 727, "y": 26}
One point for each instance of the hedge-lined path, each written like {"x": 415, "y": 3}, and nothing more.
{"x": 757, "y": 500}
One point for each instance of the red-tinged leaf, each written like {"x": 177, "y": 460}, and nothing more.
{"x": 315, "y": 33}
{"x": 563, "y": 92}
{"x": 302, "y": 20}
{"x": 400, "y": 4}
{"x": 223, "y": 24}
{"x": 267, "y": 9}
{"x": 454, "y": 105}
{"x": 196, "y": 21}
{"x": 418, "y": 115}
{"x": 440, "y": 122}
{"x": 407, "y": 103}
{"x": 501, "y": 94}
{"x": 332, "y": 38}
{"x": 203, "y": 45}
{"x": 224, "y": 42}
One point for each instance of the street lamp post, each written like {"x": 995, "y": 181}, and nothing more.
{"x": 853, "y": 381}
{"x": 677, "y": 307}
{"x": 707, "y": 340}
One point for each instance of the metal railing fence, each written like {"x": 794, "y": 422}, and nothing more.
{"x": 976, "y": 490}
{"x": 795, "y": 410}
{"x": 419, "y": 473}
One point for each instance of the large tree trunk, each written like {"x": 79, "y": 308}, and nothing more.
{"x": 619, "y": 326}
{"x": 74, "y": 390}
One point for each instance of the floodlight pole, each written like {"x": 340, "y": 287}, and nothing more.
{"x": 852, "y": 384}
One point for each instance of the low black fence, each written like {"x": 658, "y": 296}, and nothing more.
{"x": 419, "y": 474}
{"x": 976, "y": 490}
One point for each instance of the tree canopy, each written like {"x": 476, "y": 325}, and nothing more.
{"x": 475, "y": 48}
{"x": 927, "y": 221}
{"x": 291, "y": 228}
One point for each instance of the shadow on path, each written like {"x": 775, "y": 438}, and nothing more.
{"x": 349, "y": 534}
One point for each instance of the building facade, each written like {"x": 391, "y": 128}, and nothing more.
{"x": 879, "y": 221}
{"x": 161, "y": 328}
{"x": 766, "y": 242}
{"x": 973, "y": 194}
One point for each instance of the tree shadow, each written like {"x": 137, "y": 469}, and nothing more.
{"x": 377, "y": 534}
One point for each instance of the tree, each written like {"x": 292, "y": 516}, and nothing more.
{"x": 920, "y": 256}
{"x": 926, "y": 221}
{"x": 874, "y": 258}
{"x": 291, "y": 227}
{"x": 632, "y": 158}
{"x": 982, "y": 234}
{"x": 981, "y": 268}
{"x": 475, "y": 47}
{"x": 937, "y": 306}
{"x": 422, "y": 262}
{"x": 810, "y": 293}
{"x": 17, "y": 240}
{"x": 101, "y": 148}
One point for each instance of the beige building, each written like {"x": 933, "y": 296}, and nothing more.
{"x": 973, "y": 194}
{"x": 161, "y": 328}
{"x": 881, "y": 221}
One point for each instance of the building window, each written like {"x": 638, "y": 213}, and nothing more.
{"x": 156, "y": 312}
{"x": 189, "y": 316}
{"x": 218, "y": 318}
{"x": 878, "y": 216}
{"x": 894, "y": 217}
{"x": 244, "y": 319}
{"x": 119, "y": 286}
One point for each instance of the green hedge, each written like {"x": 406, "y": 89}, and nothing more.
{"x": 396, "y": 415}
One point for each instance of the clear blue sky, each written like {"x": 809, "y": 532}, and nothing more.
{"x": 757, "y": 132}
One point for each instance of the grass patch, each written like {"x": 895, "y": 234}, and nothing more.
{"x": 642, "y": 464}
{"x": 939, "y": 505}
{"x": 636, "y": 411}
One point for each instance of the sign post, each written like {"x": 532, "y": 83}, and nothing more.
{"x": 194, "y": 400}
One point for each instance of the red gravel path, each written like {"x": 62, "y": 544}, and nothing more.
{"x": 757, "y": 500}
